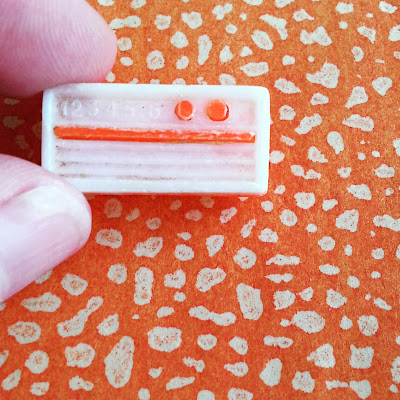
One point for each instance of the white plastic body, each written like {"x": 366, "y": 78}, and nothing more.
{"x": 138, "y": 167}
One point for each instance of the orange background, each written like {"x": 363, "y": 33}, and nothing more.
{"x": 19, "y": 135}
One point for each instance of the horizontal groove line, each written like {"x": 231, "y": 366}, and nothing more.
{"x": 128, "y": 160}
{"x": 147, "y": 178}
{"x": 209, "y": 172}
{"x": 198, "y": 148}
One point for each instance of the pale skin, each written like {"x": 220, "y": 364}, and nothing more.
{"x": 44, "y": 220}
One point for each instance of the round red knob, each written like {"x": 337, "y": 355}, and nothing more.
{"x": 217, "y": 110}
{"x": 184, "y": 110}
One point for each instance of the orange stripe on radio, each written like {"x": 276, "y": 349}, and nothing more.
{"x": 120, "y": 135}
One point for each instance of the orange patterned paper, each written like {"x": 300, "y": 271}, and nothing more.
{"x": 292, "y": 295}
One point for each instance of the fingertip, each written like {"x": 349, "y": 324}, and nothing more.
{"x": 43, "y": 221}
{"x": 101, "y": 47}
{"x": 52, "y": 42}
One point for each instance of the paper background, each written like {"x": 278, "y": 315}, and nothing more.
{"x": 332, "y": 213}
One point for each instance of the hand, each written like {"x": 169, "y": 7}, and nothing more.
{"x": 44, "y": 220}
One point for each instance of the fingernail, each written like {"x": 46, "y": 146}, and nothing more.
{"x": 39, "y": 229}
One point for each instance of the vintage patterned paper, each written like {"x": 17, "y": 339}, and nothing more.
{"x": 292, "y": 295}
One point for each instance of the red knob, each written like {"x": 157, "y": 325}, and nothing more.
{"x": 217, "y": 110}
{"x": 184, "y": 110}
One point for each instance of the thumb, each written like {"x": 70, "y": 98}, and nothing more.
{"x": 43, "y": 221}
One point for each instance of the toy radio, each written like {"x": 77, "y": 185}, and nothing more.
{"x": 124, "y": 138}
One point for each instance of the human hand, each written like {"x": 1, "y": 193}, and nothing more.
{"x": 44, "y": 220}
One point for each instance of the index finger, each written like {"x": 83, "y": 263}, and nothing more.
{"x": 52, "y": 42}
